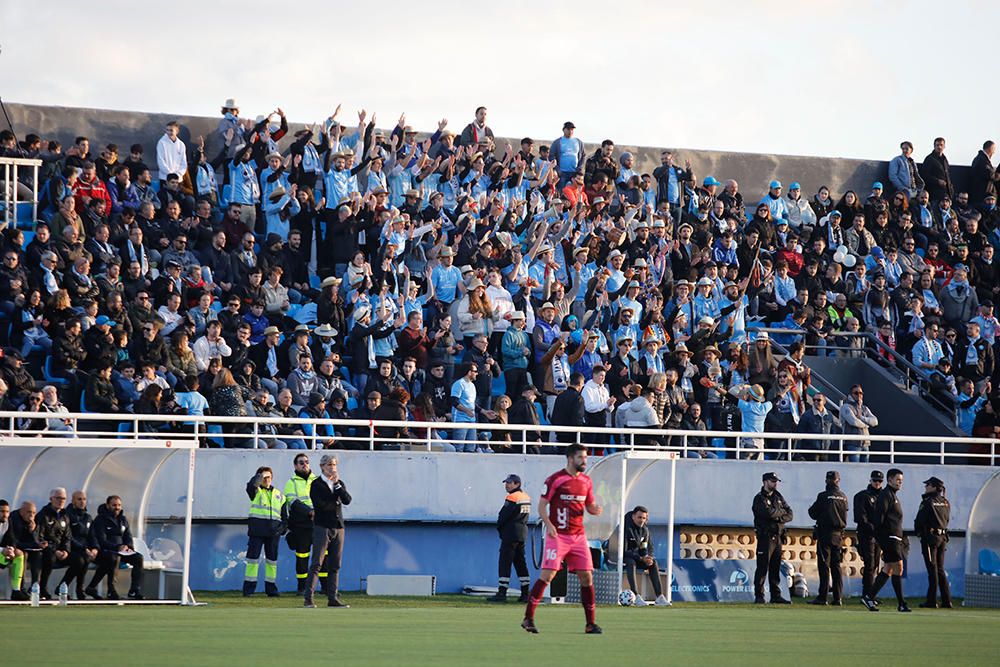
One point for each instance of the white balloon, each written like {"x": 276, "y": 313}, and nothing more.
{"x": 850, "y": 261}
{"x": 838, "y": 257}
{"x": 843, "y": 250}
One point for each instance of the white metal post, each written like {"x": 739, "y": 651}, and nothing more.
{"x": 186, "y": 597}
{"x": 670, "y": 531}
{"x": 621, "y": 523}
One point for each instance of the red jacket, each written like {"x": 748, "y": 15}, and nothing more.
{"x": 793, "y": 259}
{"x": 94, "y": 189}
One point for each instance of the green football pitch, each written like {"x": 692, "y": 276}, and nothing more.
{"x": 452, "y": 630}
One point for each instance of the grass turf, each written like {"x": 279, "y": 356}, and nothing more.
{"x": 454, "y": 630}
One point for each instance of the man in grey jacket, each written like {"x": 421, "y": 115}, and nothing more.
{"x": 856, "y": 419}
{"x": 903, "y": 173}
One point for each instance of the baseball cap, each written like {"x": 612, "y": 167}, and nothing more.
{"x": 710, "y": 180}
{"x": 569, "y": 125}
{"x": 877, "y": 185}
{"x": 795, "y": 186}
{"x": 774, "y": 184}
{"x": 512, "y": 478}
{"x": 878, "y": 476}
{"x": 769, "y": 477}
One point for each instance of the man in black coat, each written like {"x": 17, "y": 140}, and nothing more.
{"x": 523, "y": 412}
{"x": 984, "y": 177}
{"x": 23, "y": 537}
{"x": 328, "y": 495}
{"x": 81, "y": 551}
{"x": 770, "y": 514}
{"x": 638, "y": 554}
{"x": 830, "y": 513}
{"x": 865, "y": 543}
{"x": 931, "y": 524}
{"x": 889, "y": 532}
{"x": 936, "y": 173}
{"x": 512, "y": 525}
{"x": 568, "y": 409}
{"x": 112, "y": 536}
{"x": 54, "y": 531}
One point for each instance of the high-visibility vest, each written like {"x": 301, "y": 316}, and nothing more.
{"x": 266, "y": 505}
{"x": 297, "y": 488}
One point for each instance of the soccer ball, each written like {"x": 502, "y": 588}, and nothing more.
{"x": 626, "y": 598}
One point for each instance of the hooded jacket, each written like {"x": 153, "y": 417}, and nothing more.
{"x": 109, "y": 532}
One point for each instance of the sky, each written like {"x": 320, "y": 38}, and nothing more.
{"x": 837, "y": 78}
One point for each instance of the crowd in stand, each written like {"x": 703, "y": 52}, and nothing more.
{"x": 356, "y": 272}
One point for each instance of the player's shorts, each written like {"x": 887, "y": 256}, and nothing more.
{"x": 570, "y": 548}
{"x": 893, "y": 551}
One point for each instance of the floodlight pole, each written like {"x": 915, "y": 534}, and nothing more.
{"x": 670, "y": 529}
{"x": 186, "y": 597}
{"x": 621, "y": 523}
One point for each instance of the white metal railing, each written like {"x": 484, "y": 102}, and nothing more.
{"x": 361, "y": 434}
{"x": 10, "y": 167}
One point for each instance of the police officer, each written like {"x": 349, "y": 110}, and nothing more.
{"x": 889, "y": 533}
{"x": 81, "y": 550}
{"x": 830, "y": 512}
{"x": 298, "y": 514}
{"x": 512, "y": 525}
{"x": 931, "y": 524}
{"x": 54, "y": 529}
{"x": 264, "y": 530}
{"x": 865, "y": 543}
{"x": 770, "y": 514}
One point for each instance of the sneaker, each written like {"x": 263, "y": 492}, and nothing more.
{"x": 928, "y": 605}
{"x": 19, "y": 596}
{"x": 337, "y": 602}
{"x": 135, "y": 595}
{"x": 639, "y": 602}
{"x": 524, "y": 597}
{"x": 780, "y": 600}
{"x": 837, "y": 603}
{"x": 529, "y": 626}
{"x": 499, "y": 597}
{"x": 820, "y": 602}
{"x": 662, "y": 601}
{"x": 309, "y": 604}
{"x": 593, "y": 629}
{"x": 903, "y": 608}
{"x": 759, "y": 601}
{"x": 113, "y": 595}
{"x": 869, "y": 603}
{"x": 91, "y": 592}
{"x": 947, "y": 605}
{"x": 45, "y": 595}
{"x": 273, "y": 594}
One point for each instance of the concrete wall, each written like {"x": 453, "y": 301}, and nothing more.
{"x": 752, "y": 170}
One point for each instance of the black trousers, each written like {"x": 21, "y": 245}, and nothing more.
{"x": 595, "y": 419}
{"x": 107, "y": 563}
{"x": 76, "y": 569}
{"x": 515, "y": 379}
{"x": 50, "y": 562}
{"x": 512, "y": 553}
{"x": 300, "y": 542}
{"x": 327, "y": 552}
{"x": 653, "y": 570}
{"x": 768, "y": 566}
{"x": 828, "y": 559}
{"x": 932, "y": 550}
{"x": 871, "y": 555}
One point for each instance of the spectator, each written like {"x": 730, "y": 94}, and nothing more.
{"x": 816, "y": 420}
{"x": 857, "y": 419}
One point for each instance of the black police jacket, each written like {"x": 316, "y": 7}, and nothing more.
{"x": 864, "y": 511}
{"x": 512, "y": 519}
{"x": 888, "y": 515}
{"x": 54, "y": 528}
{"x": 20, "y": 535}
{"x": 770, "y": 513}
{"x": 830, "y": 512}
{"x": 79, "y": 524}
{"x": 931, "y": 522}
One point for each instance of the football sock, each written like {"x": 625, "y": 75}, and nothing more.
{"x": 16, "y": 572}
{"x": 897, "y": 586}
{"x": 878, "y": 584}
{"x": 588, "y": 599}
{"x": 537, "y": 591}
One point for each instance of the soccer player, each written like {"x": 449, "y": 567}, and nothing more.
{"x": 565, "y": 495}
